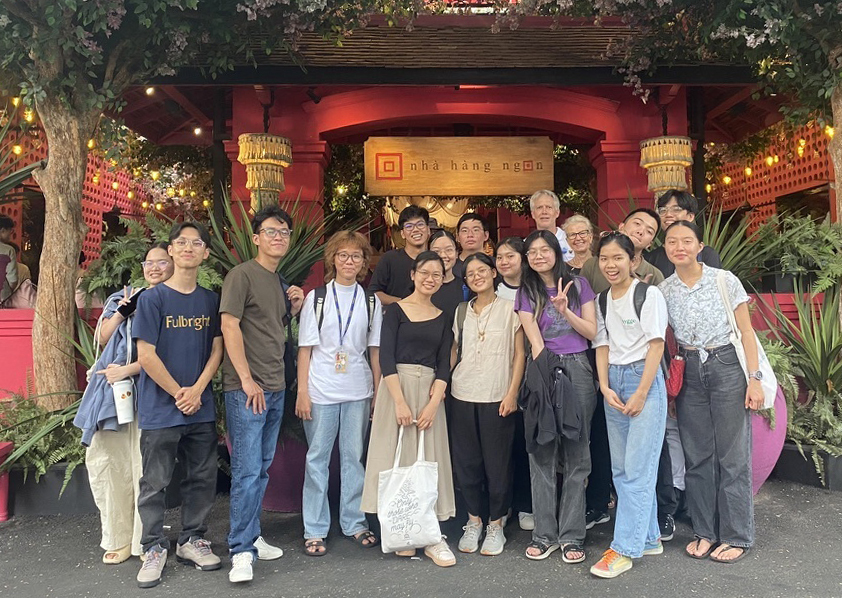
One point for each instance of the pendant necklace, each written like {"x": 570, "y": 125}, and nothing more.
{"x": 481, "y": 332}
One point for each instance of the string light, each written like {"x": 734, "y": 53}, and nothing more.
{"x": 197, "y": 131}
{"x": 205, "y": 203}
{"x": 769, "y": 160}
{"x": 136, "y": 172}
{"x": 144, "y": 204}
{"x": 28, "y": 115}
{"x": 802, "y": 142}
{"x": 748, "y": 170}
{"x": 170, "y": 192}
{"x": 829, "y": 131}
{"x": 17, "y": 150}
{"x": 777, "y": 158}
{"x": 15, "y": 102}
{"x": 91, "y": 144}
{"x": 130, "y": 194}
{"x": 150, "y": 91}
{"x": 95, "y": 179}
{"x": 192, "y": 194}
{"x": 341, "y": 189}
{"x": 708, "y": 188}
{"x": 800, "y": 151}
{"x": 181, "y": 192}
{"x": 155, "y": 175}
{"x": 159, "y": 206}
{"x": 726, "y": 179}
{"x": 115, "y": 185}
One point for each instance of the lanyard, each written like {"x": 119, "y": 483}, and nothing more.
{"x": 342, "y": 333}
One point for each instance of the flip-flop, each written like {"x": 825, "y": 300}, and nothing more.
{"x": 363, "y": 536}
{"x": 115, "y": 557}
{"x": 730, "y": 561}
{"x": 705, "y": 554}
{"x": 313, "y": 543}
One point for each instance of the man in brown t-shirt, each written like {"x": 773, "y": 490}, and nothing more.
{"x": 253, "y": 308}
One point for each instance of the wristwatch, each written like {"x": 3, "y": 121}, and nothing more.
{"x": 758, "y": 375}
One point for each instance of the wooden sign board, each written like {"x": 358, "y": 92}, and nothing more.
{"x": 458, "y": 165}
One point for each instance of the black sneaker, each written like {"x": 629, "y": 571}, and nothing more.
{"x": 667, "y": 528}
{"x": 594, "y": 517}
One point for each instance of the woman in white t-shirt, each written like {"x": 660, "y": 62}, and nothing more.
{"x": 488, "y": 349}
{"x": 629, "y": 345}
{"x": 338, "y": 370}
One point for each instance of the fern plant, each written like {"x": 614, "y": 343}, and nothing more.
{"x": 812, "y": 250}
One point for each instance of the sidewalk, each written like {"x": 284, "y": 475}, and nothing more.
{"x": 797, "y": 554}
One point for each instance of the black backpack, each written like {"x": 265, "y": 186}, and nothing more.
{"x": 319, "y": 305}
{"x": 290, "y": 363}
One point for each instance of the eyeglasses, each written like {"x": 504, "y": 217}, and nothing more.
{"x": 183, "y": 242}
{"x": 355, "y": 258}
{"x": 274, "y": 232}
{"x": 670, "y": 210}
{"x": 545, "y": 251}
{"x": 447, "y": 251}
{"x": 433, "y": 275}
{"x": 411, "y": 226}
{"x": 162, "y": 264}
{"x": 479, "y": 272}
{"x": 581, "y": 235}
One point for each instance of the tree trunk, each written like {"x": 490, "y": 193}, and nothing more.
{"x": 67, "y": 132}
{"x": 835, "y": 147}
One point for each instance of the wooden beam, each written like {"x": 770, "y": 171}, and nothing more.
{"x": 725, "y": 133}
{"x": 732, "y": 101}
{"x": 139, "y": 104}
{"x": 188, "y": 106}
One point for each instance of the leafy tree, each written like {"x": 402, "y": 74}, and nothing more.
{"x": 73, "y": 59}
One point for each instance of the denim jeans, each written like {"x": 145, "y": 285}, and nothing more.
{"x": 564, "y": 521}
{"x": 715, "y": 429}
{"x": 249, "y": 464}
{"x": 194, "y": 445}
{"x": 636, "y": 444}
{"x": 348, "y": 421}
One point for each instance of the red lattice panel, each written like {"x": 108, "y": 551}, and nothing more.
{"x": 792, "y": 173}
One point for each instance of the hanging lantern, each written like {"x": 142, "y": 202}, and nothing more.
{"x": 265, "y": 156}
{"x": 665, "y": 160}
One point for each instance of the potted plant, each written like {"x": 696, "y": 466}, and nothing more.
{"x": 814, "y": 426}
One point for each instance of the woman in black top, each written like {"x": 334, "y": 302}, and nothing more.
{"x": 452, "y": 291}
{"x": 415, "y": 343}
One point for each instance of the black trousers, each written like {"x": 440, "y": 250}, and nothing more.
{"x": 598, "y": 492}
{"x": 195, "y": 446}
{"x": 481, "y": 444}
{"x": 664, "y": 488}
{"x": 521, "y": 479}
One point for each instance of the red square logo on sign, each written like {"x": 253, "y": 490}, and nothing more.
{"x": 527, "y": 164}
{"x": 388, "y": 167}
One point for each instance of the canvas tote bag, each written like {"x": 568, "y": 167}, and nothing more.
{"x": 769, "y": 383}
{"x": 406, "y": 500}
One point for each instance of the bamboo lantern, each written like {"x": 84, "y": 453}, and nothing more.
{"x": 665, "y": 160}
{"x": 265, "y": 157}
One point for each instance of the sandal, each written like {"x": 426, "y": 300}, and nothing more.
{"x": 361, "y": 538}
{"x": 545, "y": 550}
{"x": 115, "y": 557}
{"x": 567, "y": 549}
{"x": 718, "y": 559}
{"x": 697, "y": 542}
{"x": 315, "y": 547}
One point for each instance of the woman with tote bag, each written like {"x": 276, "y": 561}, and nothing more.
{"x": 415, "y": 346}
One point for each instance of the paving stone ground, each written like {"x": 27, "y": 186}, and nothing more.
{"x": 799, "y": 542}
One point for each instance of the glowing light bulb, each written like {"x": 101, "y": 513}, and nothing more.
{"x": 17, "y": 150}
{"x": 130, "y": 194}
{"x": 769, "y": 160}
{"x": 802, "y": 142}
{"x": 115, "y": 185}
{"x": 829, "y": 131}
{"x": 800, "y": 152}
{"x": 144, "y": 204}
{"x": 155, "y": 175}
{"x": 777, "y": 158}
{"x": 748, "y": 170}
{"x": 192, "y": 194}
{"x": 726, "y": 179}
{"x": 159, "y": 206}
{"x": 205, "y": 203}
{"x": 708, "y": 187}
{"x": 150, "y": 91}
{"x": 95, "y": 179}
{"x": 28, "y": 115}
{"x": 91, "y": 144}
{"x": 181, "y": 192}
{"x": 15, "y": 102}
{"x": 170, "y": 192}
{"x": 197, "y": 131}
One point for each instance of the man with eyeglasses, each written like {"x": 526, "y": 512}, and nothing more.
{"x": 672, "y": 206}
{"x": 391, "y": 280}
{"x": 179, "y": 345}
{"x": 545, "y": 207}
{"x": 253, "y": 380}
{"x": 472, "y": 233}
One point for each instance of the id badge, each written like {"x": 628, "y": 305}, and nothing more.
{"x": 341, "y": 363}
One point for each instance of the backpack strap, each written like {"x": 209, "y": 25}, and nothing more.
{"x": 640, "y": 297}
{"x": 319, "y": 305}
{"x": 371, "y": 301}
{"x": 461, "y": 312}
{"x": 602, "y": 299}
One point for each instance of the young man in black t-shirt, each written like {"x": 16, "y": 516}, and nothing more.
{"x": 179, "y": 345}
{"x": 391, "y": 281}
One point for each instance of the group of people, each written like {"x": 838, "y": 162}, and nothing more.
{"x": 541, "y": 361}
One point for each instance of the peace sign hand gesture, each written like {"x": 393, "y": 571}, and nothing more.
{"x": 560, "y": 301}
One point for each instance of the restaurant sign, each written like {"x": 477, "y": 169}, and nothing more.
{"x": 458, "y": 165}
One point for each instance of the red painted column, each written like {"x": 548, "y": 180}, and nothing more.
{"x": 619, "y": 177}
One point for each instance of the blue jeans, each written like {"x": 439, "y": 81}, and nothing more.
{"x": 349, "y": 421}
{"x": 635, "y": 444}
{"x": 250, "y": 467}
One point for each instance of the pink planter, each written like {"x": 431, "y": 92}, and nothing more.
{"x": 767, "y": 443}
{"x": 5, "y": 451}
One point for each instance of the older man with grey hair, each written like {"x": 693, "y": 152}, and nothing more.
{"x": 545, "y": 208}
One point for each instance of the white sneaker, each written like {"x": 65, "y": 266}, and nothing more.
{"x": 470, "y": 539}
{"x": 494, "y": 541}
{"x": 441, "y": 554}
{"x": 526, "y": 521}
{"x": 267, "y": 552}
{"x": 241, "y": 569}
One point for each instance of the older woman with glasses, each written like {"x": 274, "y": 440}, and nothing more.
{"x": 580, "y": 232}
{"x": 489, "y": 355}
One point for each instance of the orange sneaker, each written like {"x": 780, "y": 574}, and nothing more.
{"x": 611, "y": 565}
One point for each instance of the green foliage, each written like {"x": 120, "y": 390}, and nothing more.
{"x": 812, "y": 250}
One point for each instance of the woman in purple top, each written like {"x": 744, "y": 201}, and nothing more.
{"x": 558, "y": 315}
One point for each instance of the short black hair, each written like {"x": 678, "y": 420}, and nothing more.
{"x": 515, "y": 243}
{"x": 485, "y": 259}
{"x": 648, "y": 212}
{"x": 686, "y": 224}
{"x": 273, "y": 211}
{"x": 427, "y": 256}
{"x": 204, "y": 235}
{"x": 472, "y": 216}
{"x": 685, "y": 200}
{"x": 162, "y": 245}
{"x": 411, "y": 213}
{"x": 6, "y": 223}
{"x": 442, "y": 233}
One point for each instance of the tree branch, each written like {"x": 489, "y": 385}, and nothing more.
{"x": 23, "y": 12}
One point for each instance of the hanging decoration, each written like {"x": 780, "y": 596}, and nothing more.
{"x": 265, "y": 156}
{"x": 666, "y": 159}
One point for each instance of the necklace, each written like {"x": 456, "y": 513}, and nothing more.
{"x": 481, "y": 331}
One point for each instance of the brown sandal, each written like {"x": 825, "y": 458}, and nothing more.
{"x": 312, "y": 546}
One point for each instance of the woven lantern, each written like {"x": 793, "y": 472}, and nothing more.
{"x": 665, "y": 160}
{"x": 265, "y": 157}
